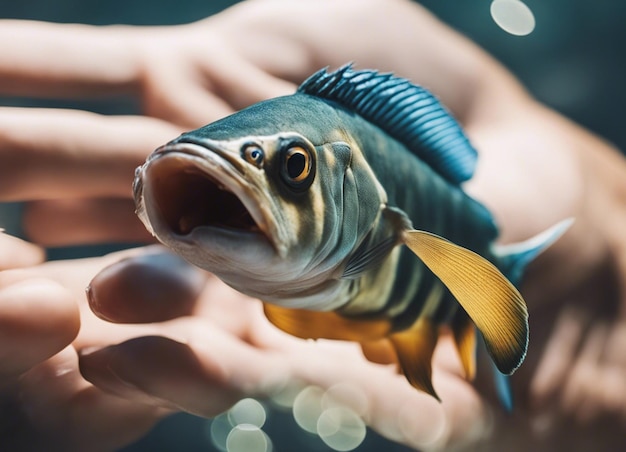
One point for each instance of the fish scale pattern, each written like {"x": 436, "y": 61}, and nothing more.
{"x": 407, "y": 112}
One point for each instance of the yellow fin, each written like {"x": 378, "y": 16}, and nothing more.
{"x": 380, "y": 351}
{"x": 415, "y": 348}
{"x": 492, "y": 302}
{"x": 325, "y": 325}
{"x": 465, "y": 340}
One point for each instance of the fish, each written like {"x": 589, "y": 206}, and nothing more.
{"x": 341, "y": 208}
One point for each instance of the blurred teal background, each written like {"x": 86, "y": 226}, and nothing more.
{"x": 574, "y": 61}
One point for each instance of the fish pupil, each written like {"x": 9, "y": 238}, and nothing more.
{"x": 296, "y": 165}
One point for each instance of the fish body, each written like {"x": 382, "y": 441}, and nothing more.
{"x": 305, "y": 202}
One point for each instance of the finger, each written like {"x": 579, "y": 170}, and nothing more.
{"x": 38, "y": 318}
{"x": 204, "y": 379}
{"x": 82, "y": 221}
{"x": 206, "y": 91}
{"x": 557, "y": 360}
{"x": 151, "y": 287}
{"x": 580, "y": 391}
{"x": 73, "y": 275}
{"x": 16, "y": 253}
{"x": 395, "y": 409}
{"x": 68, "y": 413}
{"x": 193, "y": 105}
{"x": 242, "y": 83}
{"x": 46, "y": 59}
{"x": 53, "y": 154}
{"x": 468, "y": 416}
{"x": 211, "y": 369}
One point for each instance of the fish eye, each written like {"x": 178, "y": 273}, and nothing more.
{"x": 297, "y": 167}
{"x": 253, "y": 154}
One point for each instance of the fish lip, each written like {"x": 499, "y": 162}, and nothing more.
{"x": 222, "y": 168}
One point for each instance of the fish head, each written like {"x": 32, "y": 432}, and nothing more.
{"x": 274, "y": 214}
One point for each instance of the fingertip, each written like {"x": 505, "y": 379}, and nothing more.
{"x": 468, "y": 416}
{"x": 17, "y": 253}
{"x": 424, "y": 428}
{"x": 38, "y": 318}
{"x": 151, "y": 287}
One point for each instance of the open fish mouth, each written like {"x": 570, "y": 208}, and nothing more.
{"x": 189, "y": 187}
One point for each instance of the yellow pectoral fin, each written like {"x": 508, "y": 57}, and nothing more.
{"x": 415, "y": 348}
{"x": 492, "y": 302}
{"x": 325, "y": 325}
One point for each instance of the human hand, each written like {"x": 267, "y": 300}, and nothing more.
{"x": 572, "y": 386}
{"x": 182, "y": 76}
{"x": 44, "y": 401}
{"x": 577, "y": 292}
{"x": 201, "y": 348}
{"x": 75, "y": 168}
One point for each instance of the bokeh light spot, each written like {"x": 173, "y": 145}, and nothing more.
{"x": 341, "y": 428}
{"x": 247, "y": 438}
{"x": 346, "y": 395}
{"x": 286, "y": 397}
{"x": 218, "y": 430}
{"x": 307, "y": 408}
{"x": 247, "y": 411}
{"x": 513, "y": 16}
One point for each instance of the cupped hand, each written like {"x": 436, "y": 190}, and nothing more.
{"x": 204, "y": 356}
{"x": 187, "y": 343}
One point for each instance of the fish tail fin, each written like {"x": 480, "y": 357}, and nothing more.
{"x": 513, "y": 258}
{"x": 503, "y": 388}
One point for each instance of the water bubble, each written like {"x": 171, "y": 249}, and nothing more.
{"x": 247, "y": 411}
{"x": 307, "y": 408}
{"x": 341, "y": 428}
{"x": 513, "y": 16}
{"x": 247, "y": 438}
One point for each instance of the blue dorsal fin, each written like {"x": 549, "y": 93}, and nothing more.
{"x": 408, "y": 113}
